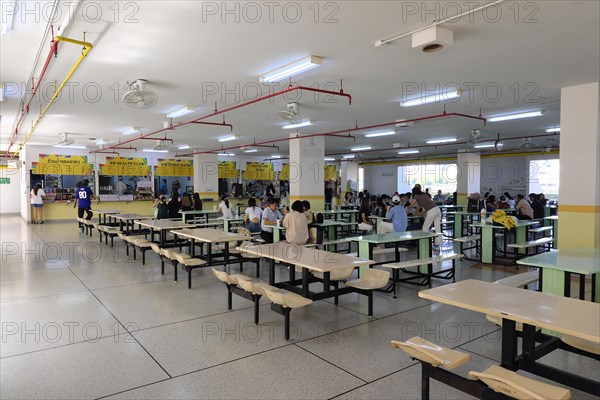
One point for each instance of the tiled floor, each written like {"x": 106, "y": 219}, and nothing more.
{"x": 82, "y": 320}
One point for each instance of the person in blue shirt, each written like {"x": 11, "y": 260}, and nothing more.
{"x": 397, "y": 213}
{"x": 83, "y": 200}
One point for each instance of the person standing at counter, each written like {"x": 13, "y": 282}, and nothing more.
{"x": 174, "y": 206}
{"x": 37, "y": 203}
{"x": 83, "y": 201}
{"x": 120, "y": 186}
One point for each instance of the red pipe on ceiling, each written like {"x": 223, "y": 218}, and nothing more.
{"x": 216, "y": 112}
{"x": 25, "y": 110}
{"x": 337, "y": 133}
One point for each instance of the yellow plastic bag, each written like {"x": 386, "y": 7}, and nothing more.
{"x": 499, "y": 217}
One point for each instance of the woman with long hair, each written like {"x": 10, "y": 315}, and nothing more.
{"x": 433, "y": 213}
{"x": 37, "y": 203}
{"x": 186, "y": 202}
{"x": 174, "y": 206}
{"x": 252, "y": 216}
{"x": 197, "y": 202}
{"x": 225, "y": 207}
{"x": 364, "y": 214}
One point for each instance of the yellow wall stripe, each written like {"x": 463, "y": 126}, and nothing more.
{"x": 579, "y": 209}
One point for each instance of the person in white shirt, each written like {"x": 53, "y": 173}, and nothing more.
{"x": 269, "y": 218}
{"x": 37, "y": 202}
{"x": 296, "y": 225}
{"x": 252, "y": 216}
{"x": 225, "y": 207}
{"x": 120, "y": 186}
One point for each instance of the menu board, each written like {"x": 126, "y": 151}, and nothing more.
{"x": 57, "y": 164}
{"x": 174, "y": 168}
{"x": 228, "y": 170}
{"x": 127, "y": 166}
{"x": 259, "y": 171}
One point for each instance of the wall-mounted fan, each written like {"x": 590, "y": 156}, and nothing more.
{"x": 291, "y": 113}
{"x": 139, "y": 96}
{"x": 475, "y": 136}
{"x": 527, "y": 144}
{"x": 160, "y": 145}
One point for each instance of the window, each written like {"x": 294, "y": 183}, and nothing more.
{"x": 544, "y": 177}
{"x": 431, "y": 176}
{"x": 361, "y": 179}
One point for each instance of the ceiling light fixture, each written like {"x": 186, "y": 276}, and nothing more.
{"x": 291, "y": 69}
{"x": 298, "y": 125}
{"x": 484, "y": 146}
{"x": 552, "y": 130}
{"x": 132, "y": 131}
{"x": 377, "y": 134}
{"x": 404, "y": 152}
{"x": 183, "y": 147}
{"x": 228, "y": 138}
{"x": 437, "y": 141}
{"x": 275, "y": 156}
{"x": 360, "y": 148}
{"x": 250, "y": 150}
{"x": 180, "y": 112}
{"x": 155, "y": 151}
{"x": 509, "y": 117}
{"x": 9, "y": 9}
{"x": 432, "y": 98}
{"x": 226, "y": 154}
{"x": 70, "y": 146}
{"x": 349, "y": 156}
{"x": 329, "y": 159}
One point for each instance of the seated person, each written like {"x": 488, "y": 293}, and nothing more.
{"x": 296, "y": 225}
{"x": 439, "y": 197}
{"x": 310, "y": 217}
{"x": 364, "y": 220}
{"x": 252, "y": 216}
{"x": 397, "y": 213}
{"x": 525, "y": 210}
{"x": 503, "y": 203}
{"x": 270, "y": 215}
{"x": 491, "y": 205}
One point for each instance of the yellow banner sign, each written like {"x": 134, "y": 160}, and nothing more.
{"x": 228, "y": 170}
{"x": 56, "y": 164}
{"x": 284, "y": 174}
{"x": 174, "y": 168}
{"x": 259, "y": 171}
{"x": 127, "y": 166}
{"x": 331, "y": 173}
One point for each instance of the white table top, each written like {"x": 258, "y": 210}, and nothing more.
{"x": 394, "y": 237}
{"x": 133, "y": 216}
{"x": 561, "y": 314}
{"x": 210, "y": 235}
{"x": 309, "y": 258}
{"x": 232, "y": 218}
{"x": 520, "y": 224}
{"x": 552, "y": 218}
{"x": 161, "y": 224}
{"x": 199, "y": 212}
{"x": 577, "y": 260}
{"x": 107, "y": 211}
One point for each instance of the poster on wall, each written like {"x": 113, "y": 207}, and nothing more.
{"x": 259, "y": 171}
{"x": 228, "y": 170}
{"x": 174, "y": 168}
{"x": 284, "y": 174}
{"x": 125, "y": 166}
{"x": 331, "y": 172}
{"x": 57, "y": 164}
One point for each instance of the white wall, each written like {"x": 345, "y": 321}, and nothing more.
{"x": 10, "y": 194}
{"x": 381, "y": 179}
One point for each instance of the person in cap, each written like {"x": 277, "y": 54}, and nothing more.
{"x": 397, "y": 213}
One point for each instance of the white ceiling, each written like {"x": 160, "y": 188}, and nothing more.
{"x": 186, "y": 54}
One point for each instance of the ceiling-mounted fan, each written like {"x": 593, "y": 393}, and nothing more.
{"x": 139, "y": 96}
{"x": 475, "y": 136}
{"x": 291, "y": 113}
{"x": 527, "y": 144}
{"x": 160, "y": 145}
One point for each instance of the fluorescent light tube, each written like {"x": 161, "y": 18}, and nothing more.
{"x": 70, "y": 146}
{"x": 275, "y": 156}
{"x": 436, "y": 141}
{"x": 183, "y": 147}
{"x": 132, "y": 131}
{"x": 329, "y": 159}
{"x": 298, "y": 125}
{"x": 291, "y": 69}
{"x": 552, "y": 130}
{"x": 9, "y": 9}
{"x": 228, "y": 138}
{"x": 432, "y": 98}
{"x": 377, "y": 134}
{"x": 349, "y": 156}
{"x": 226, "y": 154}
{"x": 250, "y": 151}
{"x": 180, "y": 112}
{"x": 484, "y": 146}
{"x": 360, "y": 148}
{"x": 516, "y": 116}
{"x": 155, "y": 151}
{"x": 402, "y": 152}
